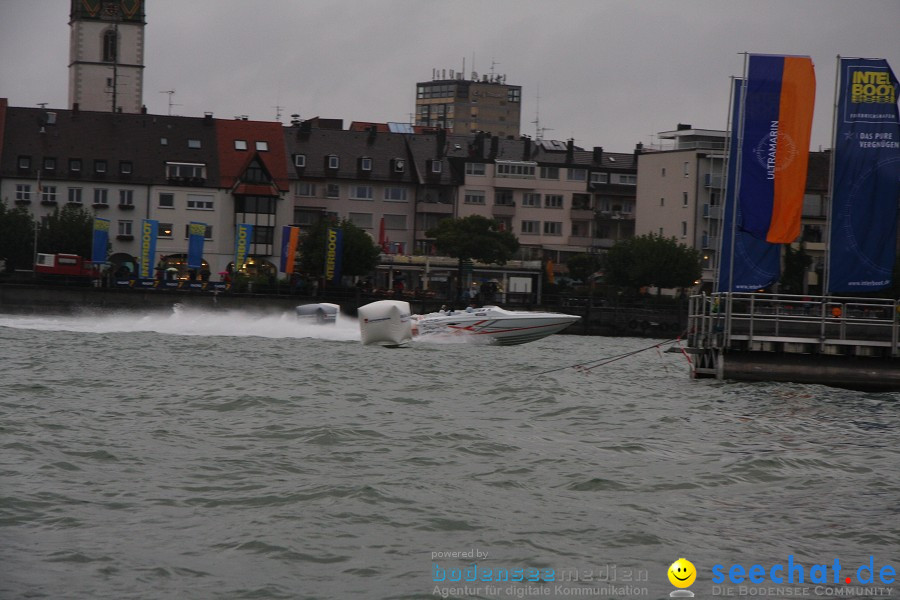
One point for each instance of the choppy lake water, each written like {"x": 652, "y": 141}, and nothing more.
{"x": 230, "y": 455}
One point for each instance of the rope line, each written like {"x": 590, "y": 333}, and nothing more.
{"x": 582, "y": 367}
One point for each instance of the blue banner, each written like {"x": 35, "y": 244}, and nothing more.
{"x": 334, "y": 250}
{"x": 149, "y": 232}
{"x": 100, "y": 240}
{"x": 866, "y": 174}
{"x": 196, "y": 237}
{"x": 242, "y": 240}
{"x": 757, "y": 263}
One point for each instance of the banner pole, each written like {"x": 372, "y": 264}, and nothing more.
{"x": 831, "y": 165}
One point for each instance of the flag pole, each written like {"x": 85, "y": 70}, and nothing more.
{"x": 737, "y": 172}
{"x": 831, "y": 166}
{"x": 723, "y": 187}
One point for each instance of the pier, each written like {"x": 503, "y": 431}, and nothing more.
{"x": 839, "y": 341}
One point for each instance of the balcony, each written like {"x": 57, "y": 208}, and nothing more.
{"x": 712, "y": 212}
{"x": 581, "y": 214}
{"x": 582, "y": 240}
{"x": 503, "y": 210}
{"x": 436, "y": 208}
{"x": 712, "y": 181}
{"x": 710, "y": 242}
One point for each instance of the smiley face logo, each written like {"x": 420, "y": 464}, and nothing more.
{"x": 682, "y": 573}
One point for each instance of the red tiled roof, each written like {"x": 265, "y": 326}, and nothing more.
{"x": 233, "y": 163}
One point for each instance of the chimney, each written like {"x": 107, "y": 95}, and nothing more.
{"x": 598, "y": 154}
{"x": 75, "y": 108}
{"x": 495, "y": 146}
{"x": 207, "y": 118}
{"x": 684, "y": 126}
{"x": 143, "y": 109}
{"x": 526, "y": 151}
{"x": 638, "y": 148}
{"x": 373, "y": 132}
{"x": 570, "y": 150}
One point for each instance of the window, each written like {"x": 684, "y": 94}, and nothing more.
{"x": 185, "y": 170}
{"x": 101, "y": 197}
{"x": 75, "y": 165}
{"x": 75, "y": 195}
{"x": 263, "y": 234}
{"x": 514, "y": 94}
{"x": 395, "y": 194}
{"x": 300, "y": 160}
{"x": 581, "y": 228}
{"x": 552, "y": 228}
{"x": 260, "y": 205}
{"x": 553, "y": 201}
{"x": 398, "y": 165}
{"x": 663, "y": 173}
{"x": 515, "y": 169}
{"x": 110, "y": 46}
{"x": 531, "y": 199}
{"x": 305, "y": 188}
{"x": 125, "y": 228}
{"x": 164, "y": 230}
{"x": 531, "y": 227}
{"x": 194, "y": 144}
{"x": 504, "y": 198}
{"x": 474, "y": 197}
{"x": 24, "y": 162}
{"x": 207, "y": 234}
{"x": 662, "y": 201}
{"x": 581, "y": 201}
{"x": 198, "y": 202}
{"x": 684, "y": 198}
{"x": 437, "y": 166}
{"x": 549, "y": 172}
{"x": 687, "y": 169}
{"x": 395, "y": 222}
{"x": 626, "y": 179}
{"x": 48, "y": 194}
{"x": 332, "y": 190}
{"x": 126, "y": 197}
{"x": 166, "y": 200}
{"x": 363, "y": 220}
{"x": 240, "y": 144}
{"x": 576, "y": 175}
{"x": 262, "y": 146}
{"x": 163, "y": 141}
{"x": 599, "y": 177}
{"x": 360, "y": 192}
{"x": 100, "y": 166}
{"x": 333, "y": 162}
{"x": 684, "y": 229}
{"x": 365, "y": 164}
{"x": 23, "y": 192}
{"x": 255, "y": 173}
{"x": 474, "y": 168}
{"x": 49, "y": 164}
{"x": 125, "y": 167}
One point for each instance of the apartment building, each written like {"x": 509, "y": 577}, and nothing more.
{"x": 464, "y": 106}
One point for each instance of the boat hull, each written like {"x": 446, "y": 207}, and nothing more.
{"x": 494, "y": 326}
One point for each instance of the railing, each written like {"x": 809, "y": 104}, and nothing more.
{"x": 721, "y": 320}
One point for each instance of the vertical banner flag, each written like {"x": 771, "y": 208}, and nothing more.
{"x": 757, "y": 263}
{"x": 242, "y": 240}
{"x": 866, "y": 178}
{"x": 100, "y": 240}
{"x": 196, "y": 237}
{"x": 334, "y": 250}
{"x": 289, "y": 237}
{"x": 777, "y": 124}
{"x": 149, "y": 231}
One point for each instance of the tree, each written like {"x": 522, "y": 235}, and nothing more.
{"x": 473, "y": 238}
{"x": 69, "y": 230}
{"x": 582, "y": 266}
{"x": 652, "y": 260}
{"x": 16, "y": 237}
{"x": 359, "y": 256}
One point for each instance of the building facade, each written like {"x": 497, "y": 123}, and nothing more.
{"x": 106, "y": 55}
{"x": 465, "y": 106}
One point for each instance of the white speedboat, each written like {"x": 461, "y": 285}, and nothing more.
{"x": 493, "y": 324}
{"x": 322, "y": 313}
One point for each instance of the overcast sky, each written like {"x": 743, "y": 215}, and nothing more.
{"x": 609, "y": 73}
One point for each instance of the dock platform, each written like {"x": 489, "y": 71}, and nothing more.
{"x": 840, "y": 341}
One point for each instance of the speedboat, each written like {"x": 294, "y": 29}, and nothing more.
{"x": 322, "y": 313}
{"x": 492, "y": 324}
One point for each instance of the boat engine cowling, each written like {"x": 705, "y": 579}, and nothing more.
{"x": 386, "y": 322}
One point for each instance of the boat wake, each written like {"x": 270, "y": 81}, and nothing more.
{"x": 190, "y": 322}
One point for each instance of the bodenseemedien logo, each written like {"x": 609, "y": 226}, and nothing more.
{"x": 682, "y": 574}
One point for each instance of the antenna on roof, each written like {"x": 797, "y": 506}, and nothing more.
{"x": 538, "y": 130}
{"x": 171, "y": 104}
{"x": 278, "y": 110}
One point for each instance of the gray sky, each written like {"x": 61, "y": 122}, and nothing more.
{"x": 610, "y": 73}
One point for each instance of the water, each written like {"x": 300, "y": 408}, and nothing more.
{"x": 231, "y": 455}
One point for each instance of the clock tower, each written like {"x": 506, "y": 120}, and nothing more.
{"x": 106, "y": 55}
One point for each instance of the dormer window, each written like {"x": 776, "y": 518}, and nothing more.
{"x": 262, "y": 146}
{"x": 194, "y": 144}
{"x": 365, "y": 164}
{"x": 240, "y": 144}
{"x": 333, "y": 161}
{"x": 300, "y": 160}
{"x": 99, "y": 166}
{"x": 398, "y": 165}
{"x": 436, "y": 167}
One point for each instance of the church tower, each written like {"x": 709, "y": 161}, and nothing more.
{"x": 106, "y": 55}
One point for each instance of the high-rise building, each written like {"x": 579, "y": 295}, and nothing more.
{"x": 464, "y": 106}
{"x": 106, "y": 55}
